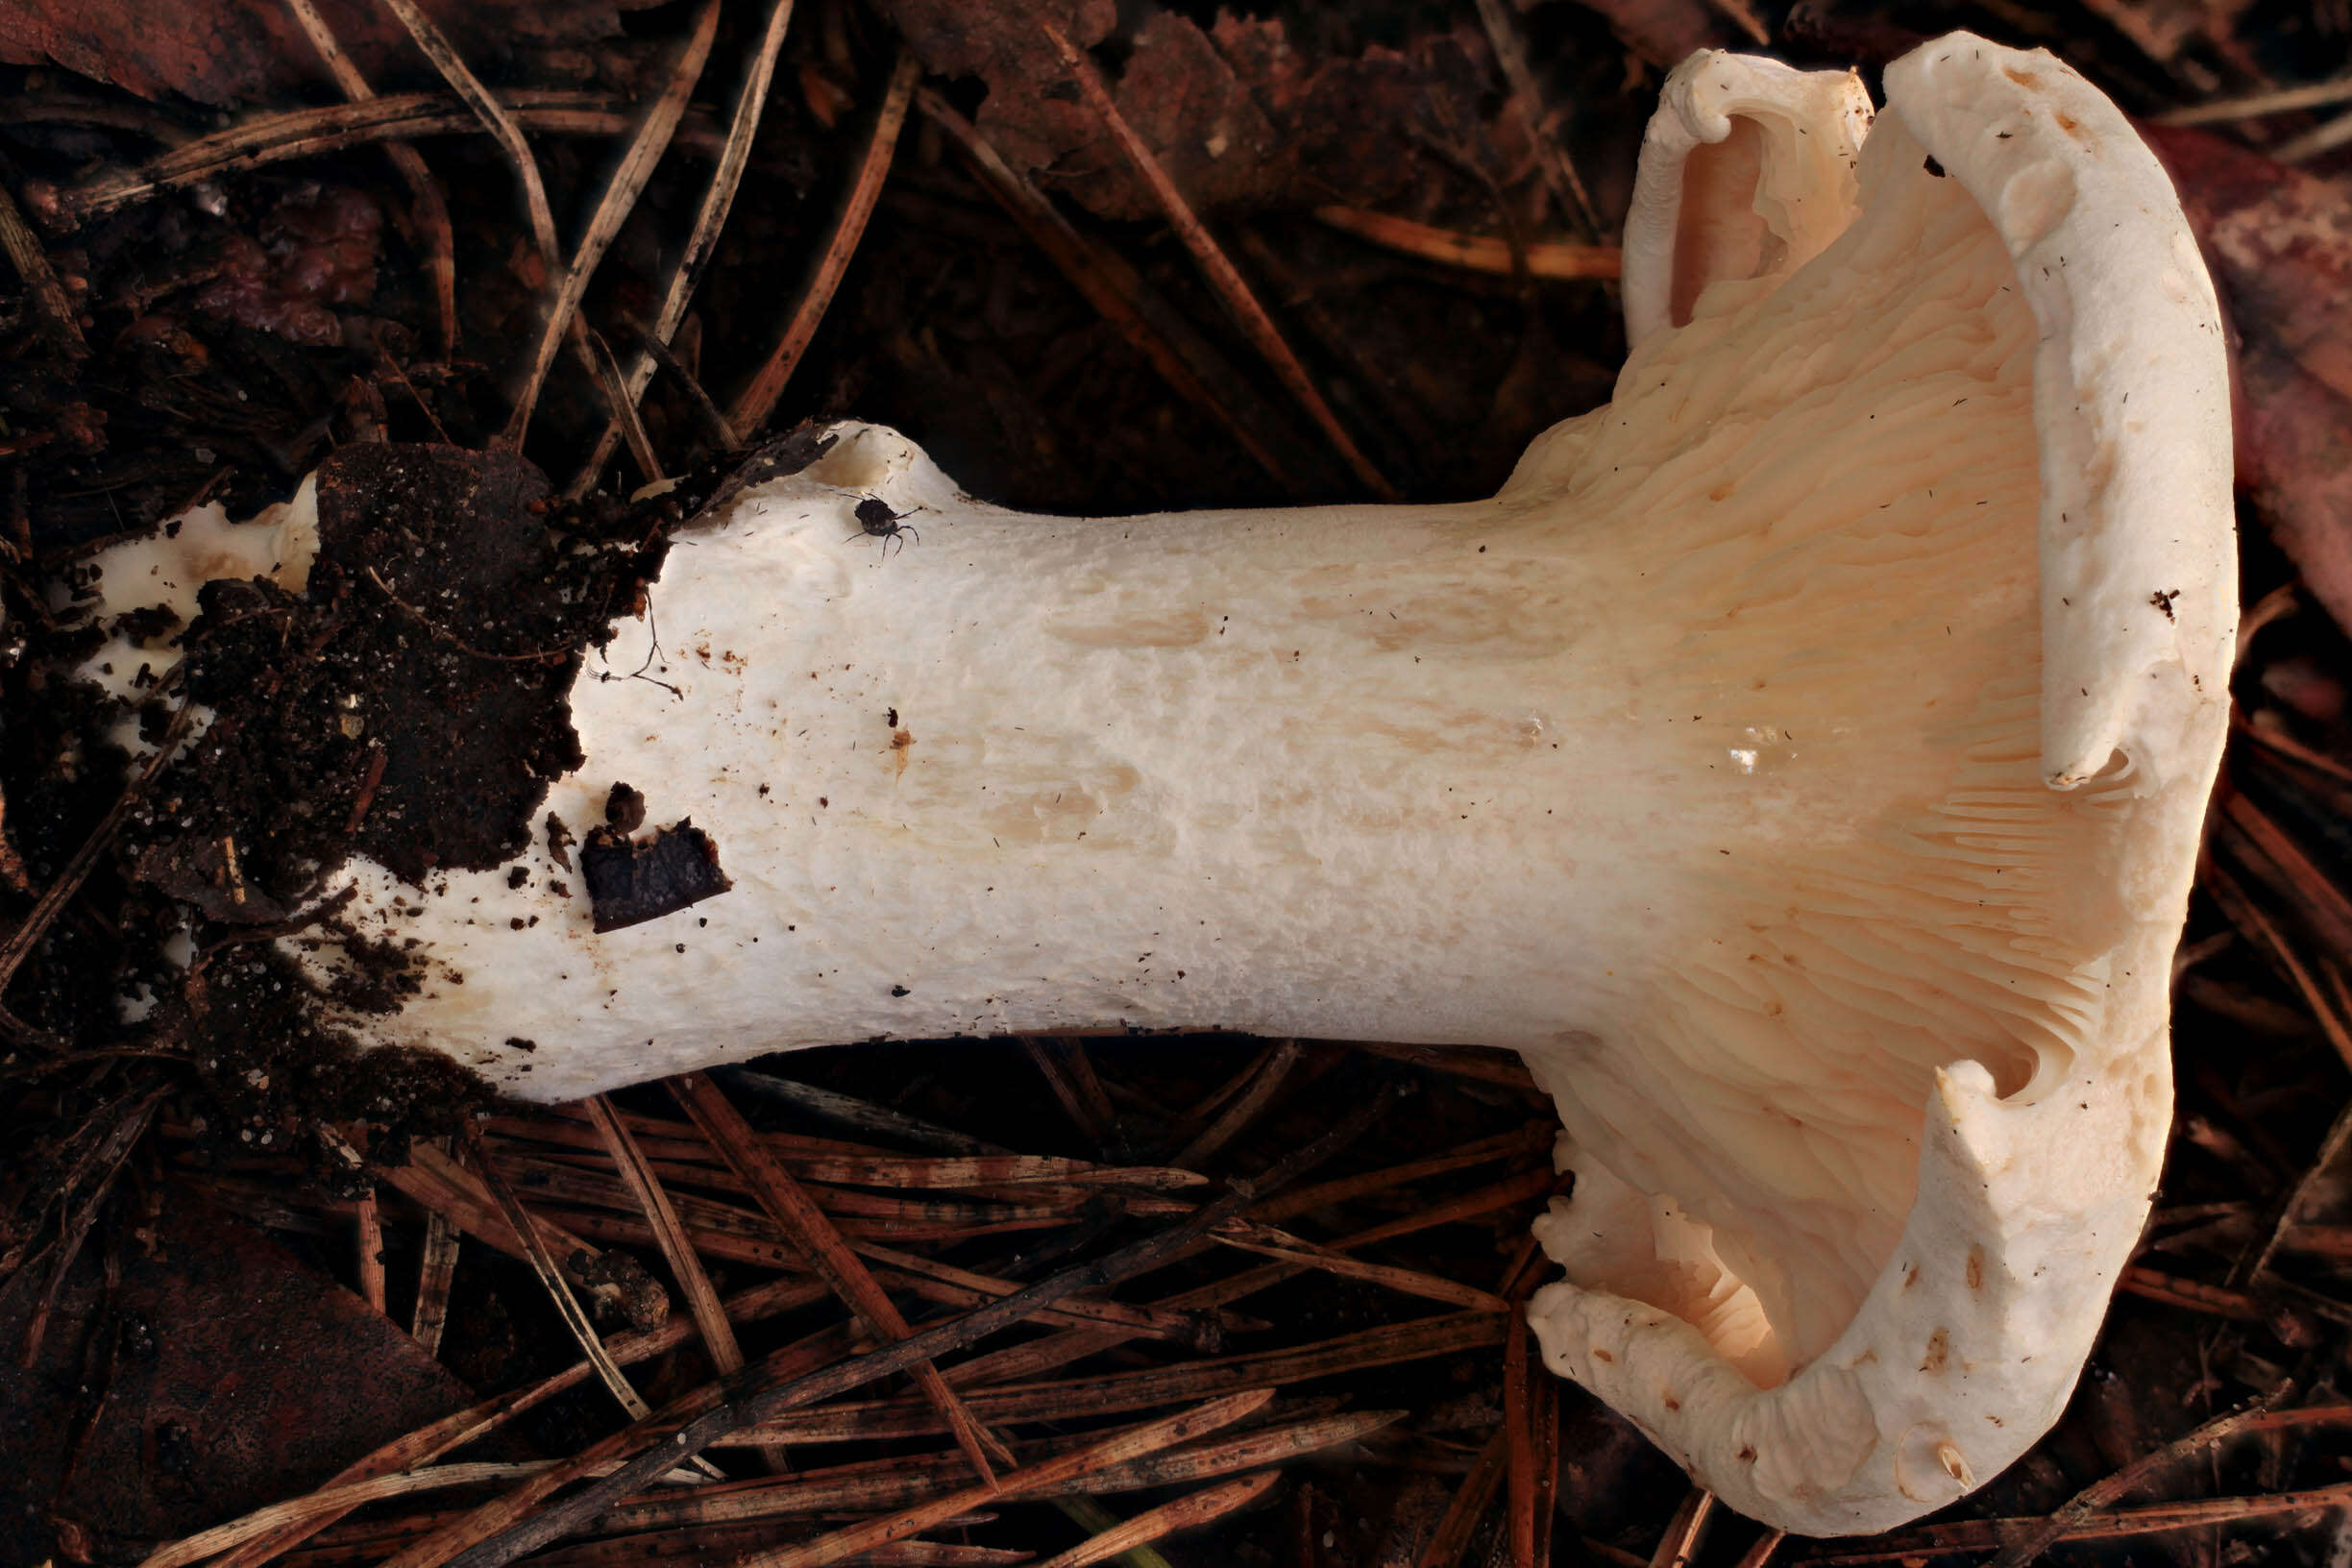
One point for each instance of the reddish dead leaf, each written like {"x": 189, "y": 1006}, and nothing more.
{"x": 234, "y": 51}
{"x": 2280, "y": 243}
{"x": 1237, "y": 115}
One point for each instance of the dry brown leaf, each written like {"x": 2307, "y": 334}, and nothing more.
{"x": 2280, "y": 244}
{"x": 1236, "y": 114}
{"x": 235, "y": 51}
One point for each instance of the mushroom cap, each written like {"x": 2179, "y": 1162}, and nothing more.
{"x": 1747, "y": 1280}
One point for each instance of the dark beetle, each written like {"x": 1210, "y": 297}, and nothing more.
{"x": 876, "y": 521}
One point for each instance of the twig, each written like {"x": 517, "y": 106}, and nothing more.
{"x": 1187, "y": 362}
{"x": 2096, "y": 1497}
{"x": 2311, "y": 143}
{"x": 495, "y": 119}
{"x": 2252, "y": 1265}
{"x": 1109, "y": 1393}
{"x": 1984, "y": 1535}
{"x": 624, "y": 408}
{"x": 686, "y": 273}
{"x": 501, "y": 1530}
{"x": 758, "y": 399}
{"x": 851, "y": 1112}
{"x": 1761, "y": 1550}
{"x": 653, "y": 1201}
{"x": 436, "y": 1272}
{"x": 1092, "y": 1118}
{"x": 52, "y": 902}
{"x": 1134, "y": 1443}
{"x": 110, "y": 1154}
{"x": 1685, "y": 1530}
{"x": 1217, "y": 267}
{"x": 1560, "y": 171}
{"x": 808, "y": 1228}
{"x": 612, "y": 210}
{"x": 1092, "y": 1516}
{"x": 451, "y": 1431}
{"x": 424, "y": 190}
{"x": 875, "y": 1485}
{"x": 567, "y": 1306}
{"x": 666, "y": 358}
{"x": 371, "y": 1251}
{"x": 1271, "y": 1242}
{"x": 1263, "y": 1084}
{"x": 1185, "y": 1512}
{"x": 40, "y": 279}
{"x": 1468, "y": 1506}
{"x": 2255, "y": 104}
{"x": 1552, "y": 258}
{"x": 264, "y": 139}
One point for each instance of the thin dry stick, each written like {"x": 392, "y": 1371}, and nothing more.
{"x": 430, "y": 1442}
{"x": 1463, "y": 1514}
{"x": 112, "y": 1154}
{"x": 653, "y": 1201}
{"x": 567, "y": 1304}
{"x": 1218, "y": 268}
{"x": 1760, "y": 1550}
{"x": 1684, "y": 1530}
{"x": 52, "y": 902}
{"x": 424, "y": 190}
{"x": 2311, "y": 143}
{"x": 806, "y": 1225}
{"x": 864, "y": 1115}
{"x": 697, "y": 394}
{"x": 2253, "y": 1264}
{"x": 621, "y": 193}
{"x": 1264, "y": 1085}
{"x": 1185, "y": 1513}
{"x": 1519, "y": 1501}
{"x": 686, "y": 273}
{"x": 338, "y": 1498}
{"x": 757, "y": 401}
{"x": 40, "y": 279}
{"x": 1109, "y": 1393}
{"x": 1984, "y": 1535}
{"x": 2247, "y": 918}
{"x": 1059, "y": 1350}
{"x": 1091, "y": 1123}
{"x": 1115, "y": 291}
{"x": 1552, "y": 258}
{"x": 624, "y": 408}
{"x": 1134, "y": 1443}
{"x": 1267, "y": 1242}
{"x": 876, "y": 1486}
{"x": 371, "y": 1251}
{"x": 2255, "y": 104}
{"x": 701, "y": 1299}
{"x": 1558, "y": 170}
{"x": 277, "y": 137}
{"x": 436, "y": 1273}
{"x": 494, "y": 117}
{"x": 507, "y": 1527}
{"x": 2096, "y": 1497}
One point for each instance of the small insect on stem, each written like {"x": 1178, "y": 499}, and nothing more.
{"x": 876, "y": 521}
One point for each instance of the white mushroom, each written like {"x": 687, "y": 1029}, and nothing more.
{"x": 1800, "y": 761}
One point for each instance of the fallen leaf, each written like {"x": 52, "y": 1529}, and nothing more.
{"x": 225, "y": 52}
{"x": 1237, "y": 115}
{"x": 2279, "y": 241}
